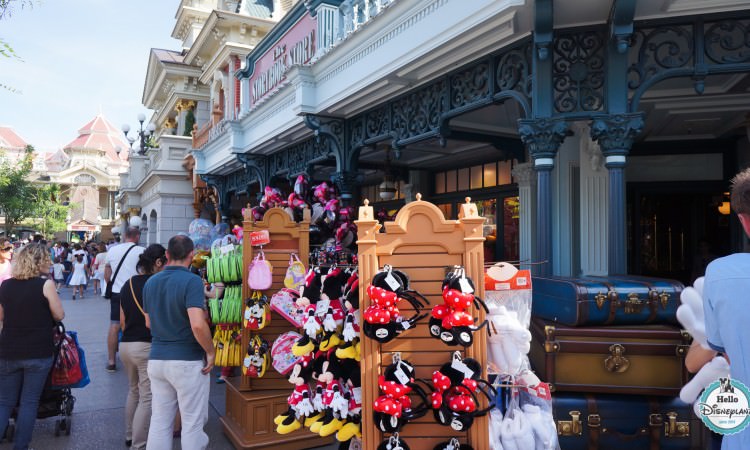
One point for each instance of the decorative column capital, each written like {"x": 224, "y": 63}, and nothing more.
{"x": 543, "y": 137}
{"x": 615, "y": 134}
{"x": 346, "y": 181}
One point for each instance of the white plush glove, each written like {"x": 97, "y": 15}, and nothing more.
{"x": 496, "y": 422}
{"x": 318, "y": 402}
{"x": 717, "y": 367}
{"x": 511, "y": 343}
{"x": 329, "y": 323}
{"x": 304, "y": 407}
{"x": 349, "y": 333}
{"x": 506, "y": 434}
{"x": 523, "y": 434}
{"x": 312, "y": 326}
{"x": 690, "y": 313}
{"x": 340, "y": 405}
{"x": 545, "y": 436}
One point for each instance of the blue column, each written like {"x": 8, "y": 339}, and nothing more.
{"x": 615, "y": 134}
{"x": 543, "y": 137}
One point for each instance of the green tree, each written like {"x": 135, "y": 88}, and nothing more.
{"x": 7, "y": 7}
{"x": 50, "y": 214}
{"x": 18, "y": 194}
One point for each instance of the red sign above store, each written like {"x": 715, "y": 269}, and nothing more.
{"x": 297, "y": 46}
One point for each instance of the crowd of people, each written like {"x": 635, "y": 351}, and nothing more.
{"x": 158, "y": 324}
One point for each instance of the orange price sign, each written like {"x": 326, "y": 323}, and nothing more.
{"x": 260, "y": 238}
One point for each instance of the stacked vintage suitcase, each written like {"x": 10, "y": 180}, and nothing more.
{"x": 614, "y": 354}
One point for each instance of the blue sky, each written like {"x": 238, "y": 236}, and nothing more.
{"x": 79, "y": 57}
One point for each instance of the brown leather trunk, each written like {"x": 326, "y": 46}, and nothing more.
{"x": 644, "y": 359}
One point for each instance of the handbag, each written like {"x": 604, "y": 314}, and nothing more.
{"x": 283, "y": 303}
{"x": 67, "y": 367}
{"x": 295, "y": 273}
{"x": 108, "y": 291}
{"x": 260, "y": 273}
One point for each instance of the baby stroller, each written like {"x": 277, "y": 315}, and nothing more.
{"x": 57, "y": 400}
{"x": 54, "y": 402}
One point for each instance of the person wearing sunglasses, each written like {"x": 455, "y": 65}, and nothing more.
{"x": 6, "y": 253}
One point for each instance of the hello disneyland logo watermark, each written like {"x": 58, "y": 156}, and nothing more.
{"x": 725, "y": 406}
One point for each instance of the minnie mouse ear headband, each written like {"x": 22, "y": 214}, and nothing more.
{"x": 394, "y": 408}
{"x": 393, "y": 443}
{"x": 382, "y": 319}
{"x": 453, "y": 444}
{"x": 450, "y": 322}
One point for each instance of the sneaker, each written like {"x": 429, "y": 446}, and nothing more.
{"x": 111, "y": 368}
{"x": 74, "y": 296}
{"x": 128, "y": 442}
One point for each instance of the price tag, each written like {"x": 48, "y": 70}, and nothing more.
{"x": 465, "y": 286}
{"x": 260, "y": 237}
{"x": 502, "y": 286}
{"x": 392, "y": 282}
{"x": 321, "y": 308}
{"x": 357, "y": 394}
{"x": 463, "y": 368}
{"x": 401, "y": 376}
{"x": 406, "y": 324}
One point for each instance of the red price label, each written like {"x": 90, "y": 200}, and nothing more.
{"x": 260, "y": 237}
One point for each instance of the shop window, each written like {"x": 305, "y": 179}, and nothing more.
{"x": 463, "y": 179}
{"x": 503, "y": 172}
{"x": 511, "y": 229}
{"x": 440, "y": 183}
{"x": 476, "y": 177}
{"x": 447, "y": 209}
{"x": 490, "y": 175}
{"x": 450, "y": 181}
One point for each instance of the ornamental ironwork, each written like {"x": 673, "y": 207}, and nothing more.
{"x": 417, "y": 114}
{"x": 470, "y": 85}
{"x": 513, "y": 72}
{"x": 692, "y": 49}
{"x": 578, "y": 71}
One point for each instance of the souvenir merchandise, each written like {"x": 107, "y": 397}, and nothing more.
{"x": 283, "y": 360}
{"x": 509, "y": 303}
{"x": 393, "y": 442}
{"x": 453, "y": 444}
{"x": 295, "y": 273}
{"x": 260, "y": 273}
{"x": 199, "y": 232}
{"x": 228, "y": 344}
{"x": 525, "y": 419}
{"x": 691, "y": 317}
{"x": 457, "y": 388}
{"x": 382, "y": 319}
{"x": 228, "y": 308}
{"x": 256, "y": 361}
{"x": 451, "y": 322}
{"x": 257, "y": 312}
{"x": 284, "y": 303}
{"x": 393, "y": 409}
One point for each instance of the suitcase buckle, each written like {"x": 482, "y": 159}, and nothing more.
{"x": 594, "y": 421}
{"x": 655, "y": 420}
{"x": 664, "y": 298}
{"x": 570, "y": 427}
{"x": 600, "y": 299}
{"x": 633, "y": 305}
{"x": 675, "y": 429}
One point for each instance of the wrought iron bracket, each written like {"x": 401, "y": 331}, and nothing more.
{"x": 621, "y": 23}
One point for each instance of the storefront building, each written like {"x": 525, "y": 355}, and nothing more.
{"x": 579, "y": 130}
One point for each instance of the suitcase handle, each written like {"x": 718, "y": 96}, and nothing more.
{"x": 616, "y": 362}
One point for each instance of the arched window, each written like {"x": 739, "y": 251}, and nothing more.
{"x": 84, "y": 178}
{"x": 152, "y": 228}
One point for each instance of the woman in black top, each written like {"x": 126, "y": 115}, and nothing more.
{"x": 29, "y": 308}
{"x": 135, "y": 346}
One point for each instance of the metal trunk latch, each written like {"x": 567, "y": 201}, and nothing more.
{"x": 600, "y": 299}
{"x": 633, "y": 305}
{"x": 616, "y": 362}
{"x": 675, "y": 429}
{"x": 570, "y": 427}
{"x": 664, "y": 299}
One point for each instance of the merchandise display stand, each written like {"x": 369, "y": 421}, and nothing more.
{"x": 421, "y": 243}
{"x": 252, "y": 403}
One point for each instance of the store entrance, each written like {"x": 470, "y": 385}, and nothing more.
{"x": 676, "y": 234}
{"x": 500, "y": 229}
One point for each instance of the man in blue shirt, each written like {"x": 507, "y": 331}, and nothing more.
{"x": 725, "y": 291}
{"x": 182, "y": 352}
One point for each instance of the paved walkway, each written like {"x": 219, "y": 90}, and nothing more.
{"x": 98, "y": 416}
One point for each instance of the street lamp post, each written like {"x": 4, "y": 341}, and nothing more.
{"x": 143, "y": 135}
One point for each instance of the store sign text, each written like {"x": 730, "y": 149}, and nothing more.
{"x": 300, "y": 52}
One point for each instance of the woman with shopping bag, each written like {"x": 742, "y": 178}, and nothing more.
{"x": 29, "y": 309}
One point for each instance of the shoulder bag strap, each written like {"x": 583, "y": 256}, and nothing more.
{"x": 114, "y": 277}
{"x": 135, "y": 299}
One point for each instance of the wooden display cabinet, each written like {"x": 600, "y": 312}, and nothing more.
{"x": 252, "y": 403}
{"x": 421, "y": 243}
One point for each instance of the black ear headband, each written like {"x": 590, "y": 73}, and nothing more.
{"x": 390, "y": 424}
{"x": 453, "y": 444}
{"x": 393, "y": 443}
{"x": 462, "y": 421}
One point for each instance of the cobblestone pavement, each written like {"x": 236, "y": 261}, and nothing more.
{"x": 98, "y": 416}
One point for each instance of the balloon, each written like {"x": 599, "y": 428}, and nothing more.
{"x": 200, "y": 232}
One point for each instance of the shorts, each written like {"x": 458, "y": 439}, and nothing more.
{"x": 60, "y": 280}
{"x": 114, "y": 308}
